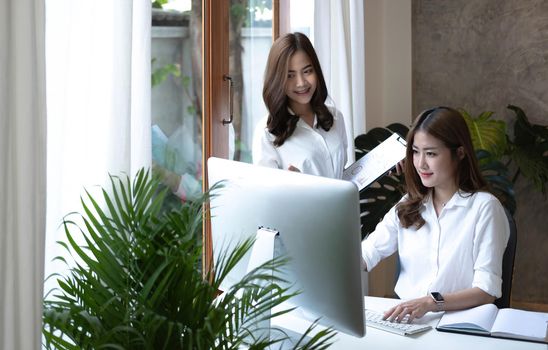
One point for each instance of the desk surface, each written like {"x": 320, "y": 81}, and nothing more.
{"x": 376, "y": 339}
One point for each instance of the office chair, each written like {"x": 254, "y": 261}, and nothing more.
{"x": 508, "y": 264}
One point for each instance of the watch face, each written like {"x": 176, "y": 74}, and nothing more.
{"x": 437, "y": 296}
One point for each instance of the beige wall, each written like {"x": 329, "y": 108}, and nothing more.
{"x": 388, "y": 81}
{"x": 388, "y": 86}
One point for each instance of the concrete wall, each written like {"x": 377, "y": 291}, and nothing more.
{"x": 482, "y": 56}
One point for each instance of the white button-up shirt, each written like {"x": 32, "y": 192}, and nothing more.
{"x": 460, "y": 249}
{"x": 312, "y": 150}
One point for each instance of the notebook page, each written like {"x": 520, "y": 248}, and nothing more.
{"x": 481, "y": 317}
{"x": 525, "y": 323}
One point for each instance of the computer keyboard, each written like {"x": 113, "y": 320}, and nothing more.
{"x": 374, "y": 319}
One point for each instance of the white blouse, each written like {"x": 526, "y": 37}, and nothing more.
{"x": 312, "y": 150}
{"x": 460, "y": 249}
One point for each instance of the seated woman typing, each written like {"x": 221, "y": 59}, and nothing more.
{"x": 449, "y": 232}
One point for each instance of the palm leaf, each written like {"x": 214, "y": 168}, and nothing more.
{"x": 135, "y": 281}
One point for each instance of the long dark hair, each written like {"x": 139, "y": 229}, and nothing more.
{"x": 280, "y": 122}
{"x": 447, "y": 125}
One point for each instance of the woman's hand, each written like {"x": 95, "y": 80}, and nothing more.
{"x": 398, "y": 168}
{"x": 414, "y": 308}
{"x": 293, "y": 168}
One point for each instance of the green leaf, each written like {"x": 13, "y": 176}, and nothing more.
{"x": 135, "y": 281}
{"x": 161, "y": 74}
{"x": 487, "y": 134}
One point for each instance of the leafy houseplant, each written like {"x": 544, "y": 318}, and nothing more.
{"x": 527, "y": 148}
{"x": 136, "y": 282}
{"x": 495, "y": 150}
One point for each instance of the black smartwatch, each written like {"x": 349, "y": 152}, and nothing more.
{"x": 438, "y": 299}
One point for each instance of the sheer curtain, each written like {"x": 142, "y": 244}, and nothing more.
{"x": 339, "y": 40}
{"x": 98, "y": 96}
{"x": 22, "y": 172}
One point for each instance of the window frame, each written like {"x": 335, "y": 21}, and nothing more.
{"x": 215, "y": 58}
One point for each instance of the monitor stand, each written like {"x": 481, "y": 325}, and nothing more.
{"x": 267, "y": 246}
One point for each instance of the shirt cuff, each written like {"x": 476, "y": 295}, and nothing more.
{"x": 488, "y": 282}
{"x": 370, "y": 256}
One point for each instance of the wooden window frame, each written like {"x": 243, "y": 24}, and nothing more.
{"x": 215, "y": 53}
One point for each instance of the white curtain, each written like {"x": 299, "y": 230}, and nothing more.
{"x": 98, "y": 96}
{"x": 22, "y": 172}
{"x": 339, "y": 41}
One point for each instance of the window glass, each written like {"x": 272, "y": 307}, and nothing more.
{"x": 250, "y": 41}
{"x": 176, "y": 96}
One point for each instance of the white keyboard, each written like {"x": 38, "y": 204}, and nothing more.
{"x": 374, "y": 319}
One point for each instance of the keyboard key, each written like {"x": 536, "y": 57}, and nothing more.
{"x": 374, "y": 319}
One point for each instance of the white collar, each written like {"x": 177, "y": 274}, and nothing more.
{"x": 301, "y": 122}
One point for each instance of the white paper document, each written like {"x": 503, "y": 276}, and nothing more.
{"x": 377, "y": 162}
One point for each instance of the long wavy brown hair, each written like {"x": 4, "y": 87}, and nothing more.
{"x": 280, "y": 122}
{"x": 447, "y": 125}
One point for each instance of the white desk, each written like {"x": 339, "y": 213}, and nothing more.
{"x": 380, "y": 340}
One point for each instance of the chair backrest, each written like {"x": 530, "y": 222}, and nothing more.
{"x": 508, "y": 265}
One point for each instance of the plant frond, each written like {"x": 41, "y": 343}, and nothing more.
{"x": 135, "y": 281}
{"x": 487, "y": 134}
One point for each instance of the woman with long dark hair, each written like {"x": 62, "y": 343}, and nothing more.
{"x": 449, "y": 231}
{"x": 301, "y": 132}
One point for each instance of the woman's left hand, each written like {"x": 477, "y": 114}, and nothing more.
{"x": 414, "y": 308}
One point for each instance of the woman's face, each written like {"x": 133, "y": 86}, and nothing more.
{"x": 433, "y": 162}
{"x": 301, "y": 80}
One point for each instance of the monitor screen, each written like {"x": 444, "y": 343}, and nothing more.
{"x": 318, "y": 223}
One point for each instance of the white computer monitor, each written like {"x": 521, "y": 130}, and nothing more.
{"x": 318, "y": 223}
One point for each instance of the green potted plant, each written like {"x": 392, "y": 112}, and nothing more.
{"x": 526, "y": 151}
{"x": 136, "y": 281}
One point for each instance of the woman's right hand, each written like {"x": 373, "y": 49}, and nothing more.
{"x": 398, "y": 168}
{"x": 292, "y": 168}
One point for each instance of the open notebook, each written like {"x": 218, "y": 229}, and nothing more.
{"x": 488, "y": 320}
{"x": 377, "y": 162}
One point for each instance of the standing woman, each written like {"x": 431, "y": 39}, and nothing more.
{"x": 449, "y": 232}
{"x": 300, "y": 132}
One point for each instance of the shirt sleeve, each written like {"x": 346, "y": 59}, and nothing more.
{"x": 492, "y": 232}
{"x": 382, "y": 242}
{"x": 344, "y": 137}
{"x": 263, "y": 150}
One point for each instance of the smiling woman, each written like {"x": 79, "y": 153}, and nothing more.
{"x": 300, "y": 132}
{"x": 436, "y": 165}
{"x": 447, "y": 217}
